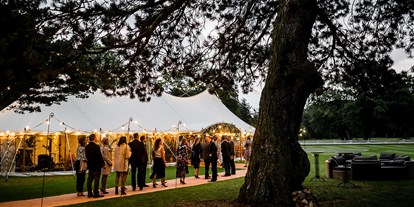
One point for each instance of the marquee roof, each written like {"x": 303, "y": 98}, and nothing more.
{"x": 113, "y": 114}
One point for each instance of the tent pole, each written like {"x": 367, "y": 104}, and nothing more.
{"x": 49, "y": 140}
{"x": 129, "y": 124}
{"x": 70, "y": 153}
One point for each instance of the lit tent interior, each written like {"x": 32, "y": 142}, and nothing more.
{"x": 165, "y": 114}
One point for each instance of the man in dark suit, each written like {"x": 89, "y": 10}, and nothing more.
{"x": 206, "y": 156}
{"x": 138, "y": 160}
{"x": 232, "y": 155}
{"x": 225, "y": 153}
{"x": 95, "y": 163}
{"x": 213, "y": 159}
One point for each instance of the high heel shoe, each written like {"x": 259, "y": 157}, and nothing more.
{"x": 104, "y": 191}
{"x": 182, "y": 182}
{"x": 163, "y": 184}
{"x": 123, "y": 191}
{"x": 116, "y": 190}
{"x": 154, "y": 185}
{"x": 196, "y": 176}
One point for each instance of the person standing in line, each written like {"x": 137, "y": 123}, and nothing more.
{"x": 158, "y": 168}
{"x": 133, "y": 160}
{"x": 142, "y": 165}
{"x": 138, "y": 160}
{"x": 247, "y": 150}
{"x": 205, "y": 154}
{"x": 182, "y": 160}
{"x": 213, "y": 159}
{"x": 107, "y": 168}
{"x": 195, "y": 160}
{"x": 232, "y": 155}
{"x": 95, "y": 163}
{"x": 122, "y": 154}
{"x": 80, "y": 157}
{"x": 225, "y": 153}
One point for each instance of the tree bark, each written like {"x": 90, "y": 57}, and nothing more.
{"x": 279, "y": 165}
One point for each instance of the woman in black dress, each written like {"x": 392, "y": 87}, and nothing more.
{"x": 197, "y": 150}
{"x": 158, "y": 168}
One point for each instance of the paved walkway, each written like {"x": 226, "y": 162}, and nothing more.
{"x": 72, "y": 198}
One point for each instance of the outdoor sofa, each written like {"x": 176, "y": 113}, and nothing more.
{"x": 388, "y": 166}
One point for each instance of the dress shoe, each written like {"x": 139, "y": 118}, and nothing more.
{"x": 146, "y": 185}
{"x": 98, "y": 196}
{"x": 140, "y": 188}
{"x": 163, "y": 184}
{"x": 90, "y": 195}
{"x": 208, "y": 177}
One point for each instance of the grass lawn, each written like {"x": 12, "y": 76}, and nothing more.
{"x": 368, "y": 193}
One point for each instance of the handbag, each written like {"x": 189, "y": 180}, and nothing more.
{"x": 83, "y": 166}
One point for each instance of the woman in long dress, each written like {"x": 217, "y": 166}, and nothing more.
{"x": 106, "y": 169}
{"x": 182, "y": 160}
{"x": 80, "y": 157}
{"x": 158, "y": 168}
{"x": 195, "y": 160}
{"x": 122, "y": 154}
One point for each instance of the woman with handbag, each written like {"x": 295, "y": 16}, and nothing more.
{"x": 80, "y": 165}
{"x": 122, "y": 154}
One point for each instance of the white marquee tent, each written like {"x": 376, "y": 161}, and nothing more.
{"x": 165, "y": 113}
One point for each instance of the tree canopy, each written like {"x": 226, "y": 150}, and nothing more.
{"x": 294, "y": 44}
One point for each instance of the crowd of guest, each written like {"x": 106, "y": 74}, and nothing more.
{"x": 133, "y": 157}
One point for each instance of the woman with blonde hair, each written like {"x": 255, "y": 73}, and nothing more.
{"x": 158, "y": 168}
{"x": 122, "y": 154}
{"x": 106, "y": 169}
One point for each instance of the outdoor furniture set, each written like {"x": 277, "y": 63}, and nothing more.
{"x": 357, "y": 167}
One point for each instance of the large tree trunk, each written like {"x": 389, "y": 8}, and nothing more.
{"x": 279, "y": 165}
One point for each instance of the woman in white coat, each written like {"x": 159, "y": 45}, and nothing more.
{"x": 122, "y": 154}
{"x": 106, "y": 169}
